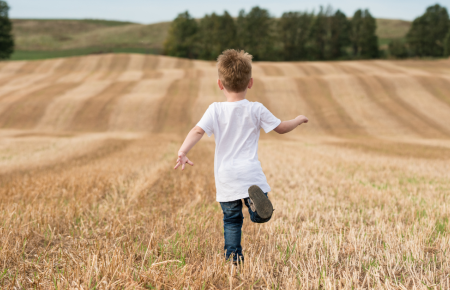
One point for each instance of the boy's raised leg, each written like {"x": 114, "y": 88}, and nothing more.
{"x": 254, "y": 217}
{"x": 260, "y": 202}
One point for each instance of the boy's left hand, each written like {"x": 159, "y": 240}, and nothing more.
{"x": 182, "y": 160}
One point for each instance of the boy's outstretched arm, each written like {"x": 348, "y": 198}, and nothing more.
{"x": 191, "y": 139}
{"x": 288, "y": 126}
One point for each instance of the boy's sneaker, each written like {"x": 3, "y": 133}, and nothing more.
{"x": 259, "y": 202}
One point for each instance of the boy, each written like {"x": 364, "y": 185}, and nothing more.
{"x": 236, "y": 126}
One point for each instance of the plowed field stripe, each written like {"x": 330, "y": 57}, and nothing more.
{"x": 95, "y": 113}
{"x": 282, "y": 97}
{"x": 427, "y": 126}
{"x": 437, "y": 86}
{"x": 118, "y": 65}
{"x": 60, "y": 112}
{"x": 174, "y": 112}
{"x": 137, "y": 110}
{"x": 331, "y": 116}
{"x": 351, "y": 96}
{"x": 26, "y": 111}
{"x": 309, "y": 69}
{"x": 37, "y": 72}
{"x": 134, "y": 71}
{"x": 410, "y": 91}
{"x": 78, "y": 69}
{"x": 271, "y": 69}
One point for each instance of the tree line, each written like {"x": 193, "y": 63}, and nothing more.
{"x": 429, "y": 36}
{"x": 325, "y": 35}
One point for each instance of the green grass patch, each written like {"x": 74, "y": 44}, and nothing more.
{"x": 92, "y": 21}
{"x": 36, "y": 55}
{"x": 107, "y": 22}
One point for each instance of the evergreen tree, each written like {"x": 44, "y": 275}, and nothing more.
{"x": 318, "y": 35}
{"x": 329, "y": 35}
{"x": 6, "y": 38}
{"x": 369, "y": 40}
{"x": 182, "y": 37}
{"x": 293, "y": 29}
{"x": 363, "y": 35}
{"x": 340, "y": 38}
{"x": 216, "y": 34}
{"x": 206, "y": 36}
{"x": 355, "y": 32}
{"x": 447, "y": 45}
{"x": 255, "y": 33}
{"x": 427, "y": 33}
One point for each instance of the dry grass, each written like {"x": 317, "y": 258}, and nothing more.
{"x": 355, "y": 209}
{"x": 392, "y": 28}
{"x": 55, "y": 35}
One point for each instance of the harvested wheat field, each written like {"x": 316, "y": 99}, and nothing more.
{"x": 89, "y": 199}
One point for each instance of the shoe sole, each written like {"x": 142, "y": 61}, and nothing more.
{"x": 263, "y": 206}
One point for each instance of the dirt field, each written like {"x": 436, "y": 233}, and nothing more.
{"x": 89, "y": 199}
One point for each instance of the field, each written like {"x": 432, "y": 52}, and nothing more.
{"x": 42, "y": 39}
{"x": 89, "y": 199}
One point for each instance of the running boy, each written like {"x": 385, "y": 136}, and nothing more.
{"x": 236, "y": 125}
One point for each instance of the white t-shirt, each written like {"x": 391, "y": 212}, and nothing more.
{"x": 236, "y": 127}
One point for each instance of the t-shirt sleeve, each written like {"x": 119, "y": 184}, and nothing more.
{"x": 268, "y": 120}
{"x": 207, "y": 121}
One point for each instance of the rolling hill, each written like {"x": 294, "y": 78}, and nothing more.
{"x": 115, "y": 93}
{"x": 37, "y": 39}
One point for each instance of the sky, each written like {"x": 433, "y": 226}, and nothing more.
{"x": 151, "y": 11}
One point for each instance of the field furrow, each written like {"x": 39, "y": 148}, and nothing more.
{"x": 96, "y": 112}
{"x": 27, "y": 111}
{"x": 174, "y": 109}
{"x": 331, "y": 116}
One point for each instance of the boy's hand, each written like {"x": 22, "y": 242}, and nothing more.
{"x": 302, "y": 119}
{"x": 182, "y": 160}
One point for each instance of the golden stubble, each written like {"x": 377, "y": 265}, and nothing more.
{"x": 93, "y": 203}
{"x": 113, "y": 214}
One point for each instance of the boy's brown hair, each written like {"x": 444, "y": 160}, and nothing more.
{"x": 235, "y": 69}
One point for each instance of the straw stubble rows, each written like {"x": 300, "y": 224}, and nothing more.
{"x": 88, "y": 198}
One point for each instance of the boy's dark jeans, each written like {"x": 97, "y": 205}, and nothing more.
{"x": 232, "y": 225}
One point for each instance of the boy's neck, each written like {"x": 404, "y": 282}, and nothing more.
{"x": 235, "y": 97}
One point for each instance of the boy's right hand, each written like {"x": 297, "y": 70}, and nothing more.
{"x": 302, "y": 119}
{"x": 182, "y": 160}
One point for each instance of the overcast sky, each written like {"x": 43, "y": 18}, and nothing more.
{"x": 150, "y": 11}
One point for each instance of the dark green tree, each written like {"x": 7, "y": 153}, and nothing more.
{"x": 355, "y": 32}
{"x": 319, "y": 35}
{"x": 397, "y": 49}
{"x": 427, "y": 33}
{"x": 363, "y": 35}
{"x": 255, "y": 33}
{"x": 182, "y": 39}
{"x": 447, "y": 45}
{"x": 6, "y": 38}
{"x": 340, "y": 35}
{"x": 293, "y": 29}
{"x": 216, "y": 34}
{"x": 369, "y": 40}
